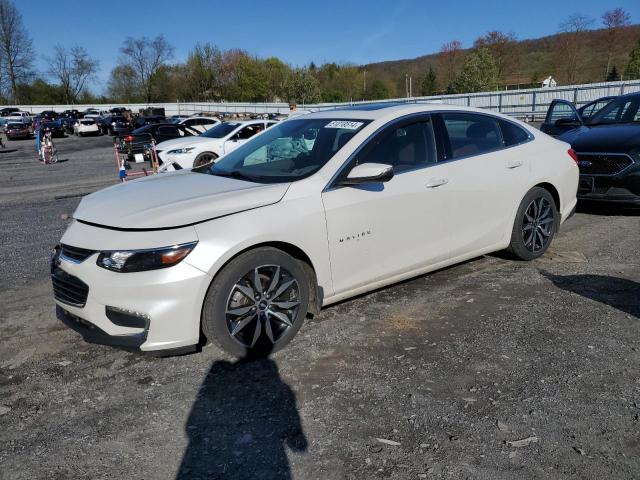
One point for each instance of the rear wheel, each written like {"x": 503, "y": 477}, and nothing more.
{"x": 257, "y": 303}
{"x": 535, "y": 225}
{"x": 204, "y": 159}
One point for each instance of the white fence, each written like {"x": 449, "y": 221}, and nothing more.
{"x": 526, "y": 103}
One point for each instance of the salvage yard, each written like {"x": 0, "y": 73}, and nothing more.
{"x": 492, "y": 369}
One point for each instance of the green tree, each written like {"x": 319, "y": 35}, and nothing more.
{"x": 377, "y": 91}
{"x": 633, "y": 67}
{"x": 122, "y": 85}
{"x": 613, "y": 75}
{"x": 302, "y": 87}
{"x": 479, "y": 73}
{"x": 277, "y": 73}
{"x": 429, "y": 83}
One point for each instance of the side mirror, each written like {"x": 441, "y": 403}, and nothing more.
{"x": 368, "y": 173}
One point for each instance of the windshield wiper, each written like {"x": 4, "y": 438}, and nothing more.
{"x": 235, "y": 174}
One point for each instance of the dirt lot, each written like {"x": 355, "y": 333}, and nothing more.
{"x": 431, "y": 378}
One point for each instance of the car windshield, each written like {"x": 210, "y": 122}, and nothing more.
{"x": 620, "y": 110}
{"x": 221, "y": 130}
{"x": 288, "y": 151}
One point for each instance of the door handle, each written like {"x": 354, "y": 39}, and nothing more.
{"x": 515, "y": 163}
{"x": 436, "y": 182}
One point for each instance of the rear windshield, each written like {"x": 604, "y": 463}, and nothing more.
{"x": 87, "y": 122}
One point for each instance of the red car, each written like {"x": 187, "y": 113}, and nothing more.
{"x": 15, "y": 131}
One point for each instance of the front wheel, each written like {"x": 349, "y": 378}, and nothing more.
{"x": 257, "y": 303}
{"x": 204, "y": 158}
{"x": 535, "y": 225}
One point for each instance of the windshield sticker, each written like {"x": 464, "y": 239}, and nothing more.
{"x": 344, "y": 124}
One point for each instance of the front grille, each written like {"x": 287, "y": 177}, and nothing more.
{"x": 69, "y": 289}
{"x": 603, "y": 163}
{"x": 75, "y": 253}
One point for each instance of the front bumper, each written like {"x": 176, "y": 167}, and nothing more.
{"x": 621, "y": 188}
{"x": 160, "y": 308}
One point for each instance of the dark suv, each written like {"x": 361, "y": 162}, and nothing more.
{"x": 608, "y": 149}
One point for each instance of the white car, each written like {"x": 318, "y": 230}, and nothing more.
{"x": 313, "y": 211}
{"x": 201, "y": 124}
{"x": 97, "y": 114}
{"x": 190, "y": 152}
{"x": 86, "y": 126}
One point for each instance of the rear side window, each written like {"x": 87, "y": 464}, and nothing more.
{"x": 169, "y": 131}
{"x": 472, "y": 134}
{"x": 512, "y": 133}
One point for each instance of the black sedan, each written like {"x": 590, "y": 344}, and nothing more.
{"x": 136, "y": 144}
{"x": 114, "y": 125}
{"x": 55, "y": 127}
{"x": 608, "y": 149}
{"x": 561, "y": 116}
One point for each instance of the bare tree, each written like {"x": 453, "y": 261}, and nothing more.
{"x": 571, "y": 39}
{"x": 16, "y": 46}
{"x": 72, "y": 68}
{"x": 450, "y": 56}
{"x": 613, "y": 20}
{"x": 146, "y": 57}
{"x": 502, "y": 46}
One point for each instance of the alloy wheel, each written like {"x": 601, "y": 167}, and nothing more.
{"x": 265, "y": 301}
{"x": 204, "y": 159}
{"x": 537, "y": 224}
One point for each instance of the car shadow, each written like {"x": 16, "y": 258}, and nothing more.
{"x": 241, "y": 424}
{"x": 619, "y": 293}
{"x": 607, "y": 209}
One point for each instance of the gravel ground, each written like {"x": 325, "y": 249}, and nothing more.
{"x": 431, "y": 378}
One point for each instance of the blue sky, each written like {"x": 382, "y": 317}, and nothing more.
{"x": 296, "y": 31}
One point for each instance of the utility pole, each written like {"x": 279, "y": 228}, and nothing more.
{"x": 364, "y": 83}
{"x": 406, "y": 85}
{"x": 410, "y": 89}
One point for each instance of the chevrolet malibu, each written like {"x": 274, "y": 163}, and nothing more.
{"x": 312, "y": 211}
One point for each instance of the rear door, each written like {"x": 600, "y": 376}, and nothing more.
{"x": 487, "y": 165}
{"x": 562, "y": 116}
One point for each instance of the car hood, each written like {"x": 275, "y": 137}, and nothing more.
{"x": 604, "y": 138}
{"x": 174, "y": 200}
{"x": 186, "y": 142}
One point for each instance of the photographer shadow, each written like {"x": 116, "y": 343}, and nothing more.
{"x": 241, "y": 424}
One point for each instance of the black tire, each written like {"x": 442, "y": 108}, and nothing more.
{"x": 227, "y": 289}
{"x": 535, "y": 225}
{"x": 204, "y": 158}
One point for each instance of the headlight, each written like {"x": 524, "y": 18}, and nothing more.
{"x": 140, "y": 260}
{"x": 181, "y": 150}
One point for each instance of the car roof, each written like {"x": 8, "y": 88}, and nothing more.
{"x": 375, "y": 111}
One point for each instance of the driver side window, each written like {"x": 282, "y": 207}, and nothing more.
{"x": 405, "y": 147}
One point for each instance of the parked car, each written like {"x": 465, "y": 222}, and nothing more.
{"x": 67, "y": 123}
{"x": 313, "y": 211}
{"x": 210, "y": 145}
{"x": 114, "y": 125}
{"x": 6, "y": 111}
{"x": 119, "y": 110}
{"x": 142, "y": 121}
{"x": 53, "y": 126}
{"x": 608, "y": 151}
{"x": 560, "y": 116}
{"x": 95, "y": 114}
{"x": 17, "y": 130}
{"x": 49, "y": 115}
{"x": 202, "y": 124}
{"x": 135, "y": 144}
{"x": 86, "y": 126}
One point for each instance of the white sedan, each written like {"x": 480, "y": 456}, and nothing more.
{"x": 190, "y": 152}
{"x": 86, "y": 126}
{"x": 313, "y": 211}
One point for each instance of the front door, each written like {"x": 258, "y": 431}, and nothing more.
{"x": 379, "y": 230}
